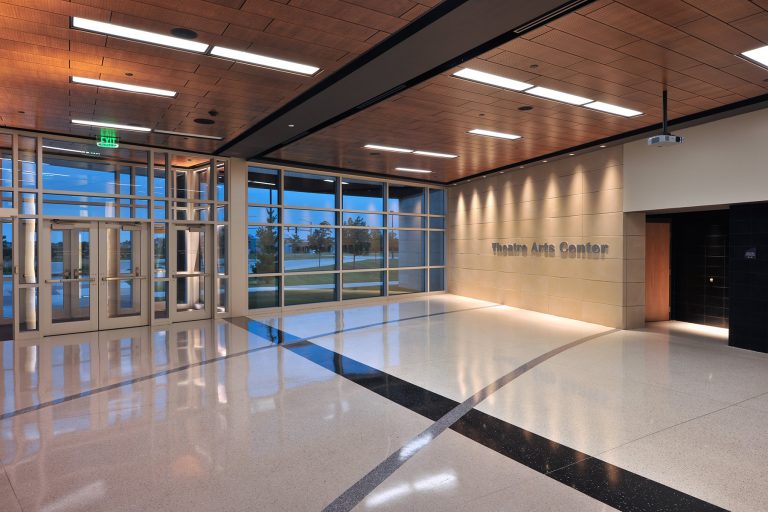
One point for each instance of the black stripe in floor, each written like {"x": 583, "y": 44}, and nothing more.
{"x": 612, "y": 485}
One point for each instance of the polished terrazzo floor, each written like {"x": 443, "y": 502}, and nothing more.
{"x": 444, "y": 403}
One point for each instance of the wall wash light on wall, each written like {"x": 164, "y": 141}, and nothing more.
{"x": 482, "y": 77}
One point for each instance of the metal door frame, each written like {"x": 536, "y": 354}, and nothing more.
{"x": 47, "y": 327}
{"x": 142, "y": 277}
{"x": 208, "y": 275}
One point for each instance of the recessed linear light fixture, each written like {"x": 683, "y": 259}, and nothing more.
{"x": 491, "y": 79}
{"x": 184, "y": 134}
{"x": 551, "y": 94}
{"x": 406, "y": 150}
{"x": 123, "y": 87}
{"x": 758, "y": 56}
{"x": 408, "y": 169}
{"x": 499, "y": 135}
{"x": 613, "y": 109}
{"x": 264, "y": 61}
{"x": 138, "y": 35}
{"x": 435, "y": 155}
{"x": 564, "y": 97}
{"x": 112, "y": 125}
{"x": 388, "y": 148}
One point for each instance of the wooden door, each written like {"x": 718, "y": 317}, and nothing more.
{"x": 657, "y": 262}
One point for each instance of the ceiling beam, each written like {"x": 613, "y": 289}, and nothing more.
{"x": 449, "y": 34}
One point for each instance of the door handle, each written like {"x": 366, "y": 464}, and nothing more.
{"x": 122, "y": 278}
{"x": 87, "y": 279}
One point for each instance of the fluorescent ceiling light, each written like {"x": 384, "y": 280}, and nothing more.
{"x": 329, "y": 181}
{"x": 138, "y": 35}
{"x": 111, "y": 125}
{"x": 262, "y": 183}
{"x": 184, "y": 134}
{"x": 490, "y": 79}
{"x": 408, "y": 169}
{"x": 436, "y": 155}
{"x": 489, "y": 133}
{"x": 758, "y": 55}
{"x": 613, "y": 109}
{"x": 262, "y": 60}
{"x": 123, "y": 87}
{"x": 388, "y": 148}
{"x": 70, "y": 150}
{"x": 558, "y": 96}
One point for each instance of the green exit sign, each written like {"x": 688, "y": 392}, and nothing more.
{"x": 108, "y": 138}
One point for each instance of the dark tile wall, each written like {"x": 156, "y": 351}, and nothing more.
{"x": 699, "y": 267}
{"x": 749, "y": 276}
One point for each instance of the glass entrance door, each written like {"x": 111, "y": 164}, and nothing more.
{"x": 191, "y": 283}
{"x": 70, "y": 295}
{"x": 123, "y": 275}
{"x": 94, "y": 276}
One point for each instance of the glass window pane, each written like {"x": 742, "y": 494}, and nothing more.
{"x": 221, "y": 213}
{"x": 406, "y": 248}
{"x": 221, "y": 240}
{"x": 406, "y": 221}
{"x": 6, "y": 160}
{"x": 28, "y": 251}
{"x": 437, "y": 222}
{"x": 262, "y": 186}
{"x": 160, "y": 183}
{"x": 193, "y": 182}
{"x": 160, "y": 242}
{"x": 221, "y": 296}
{"x": 28, "y": 308}
{"x": 191, "y": 211}
{"x": 309, "y": 190}
{"x": 263, "y": 292}
{"x": 437, "y": 280}
{"x": 359, "y": 285}
{"x": 309, "y": 289}
{"x": 221, "y": 180}
{"x": 262, "y": 215}
{"x": 6, "y": 298}
{"x": 263, "y": 246}
{"x": 161, "y": 210}
{"x": 160, "y": 299}
{"x": 406, "y": 199}
{"x": 406, "y": 281}
{"x": 6, "y": 199}
{"x": 310, "y": 249}
{"x": 363, "y": 248}
{"x": 311, "y": 217}
{"x": 86, "y": 206}
{"x": 28, "y": 203}
{"x": 140, "y": 181}
{"x": 363, "y": 195}
{"x": 436, "y": 201}
{"x": 28, "y": 162}
{"x": 362, "y": 219}
{"x": 437, "y": 248}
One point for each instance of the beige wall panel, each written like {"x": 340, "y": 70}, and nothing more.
{"x": 575, "y": 200}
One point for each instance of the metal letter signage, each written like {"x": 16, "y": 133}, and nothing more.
{"x": 569, "y": 250}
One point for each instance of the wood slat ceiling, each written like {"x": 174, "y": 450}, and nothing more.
{"x": 39, "y": 52}
{"x": 620, "y": 52}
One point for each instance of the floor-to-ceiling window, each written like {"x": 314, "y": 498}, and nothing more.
{"x": 318, "y": 237}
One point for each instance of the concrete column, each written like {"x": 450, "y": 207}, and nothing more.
{"x": 238, "y": 235}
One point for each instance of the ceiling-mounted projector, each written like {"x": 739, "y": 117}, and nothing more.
{"x": 665, "y": 138}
